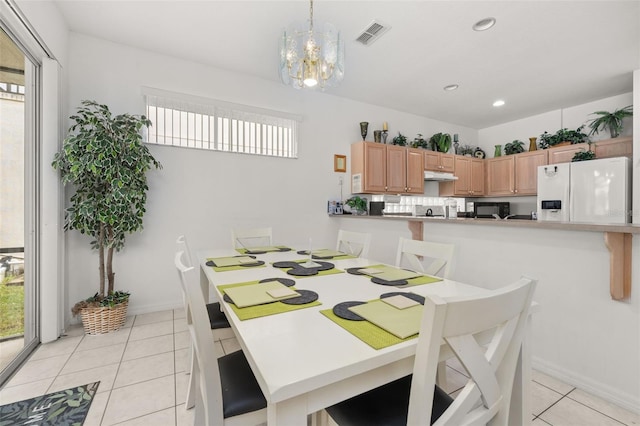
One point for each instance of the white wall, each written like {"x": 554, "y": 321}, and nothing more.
{"x": 204, "y": 194}
{"x": 551, "y": 121}
{"x": 580, "y": 335}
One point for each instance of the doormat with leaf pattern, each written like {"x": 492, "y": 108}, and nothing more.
{"x": 66, "y": 407}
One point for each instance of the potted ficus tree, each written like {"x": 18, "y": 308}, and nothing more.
{"x": 104, "y": 160}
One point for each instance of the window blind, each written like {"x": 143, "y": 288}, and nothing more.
{"x": 201, "y": 123}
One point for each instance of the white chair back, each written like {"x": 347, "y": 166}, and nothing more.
{"x": 208, "y": 390}
{"x": 414, "y": 253}
{"x": 353, "y": 243}
{"x": 181, "y": 245}
{"x": 487, "y": 395}
{"x": 256, "y": 237}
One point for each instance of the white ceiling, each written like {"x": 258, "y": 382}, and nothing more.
{"x": 540, "y": 56}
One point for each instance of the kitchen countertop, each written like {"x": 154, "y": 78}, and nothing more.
{"x": 518, "y": 223}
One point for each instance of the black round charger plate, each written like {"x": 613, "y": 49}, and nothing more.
{"x": 285, "y": 264}
{"x": 412, "y": 296}
{"x": 284, "y": 281}
{"x": 302, "y": 272}
{"x": 355, "y": 271}
{"x": 248, "y": 251}
{"x": 306, "y": 296}
{"x": 282, "y": 249}
{"x": 380, "y": 281}
{"x": 227, "y": 299}
{"x": 342, "y": 310}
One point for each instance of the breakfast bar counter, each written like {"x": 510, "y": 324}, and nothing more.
{"x": 617, "y": 238}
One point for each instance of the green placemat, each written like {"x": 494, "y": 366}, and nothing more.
{"x": 369, "y": 333}
{"x": 399, "y": 322}
{"x": 266, "y": 248}
{"x": 422, "y": 279}
{"x": 231, "y": 267}
{"x": 327, "y": 272}
{"x": 328, "y": 254}
{"x": 258, "y": 311}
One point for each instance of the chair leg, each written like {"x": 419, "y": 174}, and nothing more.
{"x": 191, "y": 387}
{"x": 441, "y": 376}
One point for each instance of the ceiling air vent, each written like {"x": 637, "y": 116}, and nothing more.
{"x": 373, "y": 32}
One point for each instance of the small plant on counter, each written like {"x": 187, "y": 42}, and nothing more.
{"x": 514, "y": 147}
{"x": 419, "y": 142}
{"x": 610, "y": 120}
{"x": 400, "y": 140}
{"x": 358, "y": 205}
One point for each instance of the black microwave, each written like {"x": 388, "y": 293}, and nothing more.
{"x": 487, "y": 209}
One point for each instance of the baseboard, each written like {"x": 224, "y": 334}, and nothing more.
{"x": 621, "y": 399}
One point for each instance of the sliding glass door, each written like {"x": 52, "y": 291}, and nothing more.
{"x": 18, "y": 204}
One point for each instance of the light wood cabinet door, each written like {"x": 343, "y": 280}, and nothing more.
{"x": 447, "y": 162}
{"x": 368, "y": 167}
{"x": 526, "y": 171}
{"x": 477, "y": 177}
{"x": 396, "y": 169}
{"x": 439, "y": 162}
{"x": 500, "y": 175}
{"x": 415, "y": 171}
{"x": 618, "y": 147}
{"x": 564, "y": 154}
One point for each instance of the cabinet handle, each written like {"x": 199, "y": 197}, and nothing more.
{"x": 516, "y": 191}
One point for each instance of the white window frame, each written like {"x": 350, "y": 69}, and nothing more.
{"x": 201, "y": 123}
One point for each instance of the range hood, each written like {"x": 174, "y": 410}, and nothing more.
{"x": 439, "y": 176}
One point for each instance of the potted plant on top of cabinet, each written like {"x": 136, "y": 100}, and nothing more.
{"x": 440, "y": 142}
{"x": 610, "y": 120}
{"x": 104, "y": 159}
{"x": 563, "y": 135}
{"x": 515, "y": 147}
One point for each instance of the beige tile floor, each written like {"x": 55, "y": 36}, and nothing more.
{"x": 142, "y": 373}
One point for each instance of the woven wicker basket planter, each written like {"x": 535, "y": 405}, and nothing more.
{"x": 104, "y": 319}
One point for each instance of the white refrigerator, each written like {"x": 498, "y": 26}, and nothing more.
{"x": 595, "y": 191}
{"x": 600, "y": 191}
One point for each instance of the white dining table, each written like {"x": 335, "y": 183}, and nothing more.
{"x": 304, "y": 362}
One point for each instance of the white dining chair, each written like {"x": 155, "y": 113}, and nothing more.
{"x": 353, "y": 243}
{"x": 426, "y": 257}
{"x": 227, "y": 392}
{"x": 220, "y": 327}
{"x": 454, "y": 322}
{"x": 255, "y": 237}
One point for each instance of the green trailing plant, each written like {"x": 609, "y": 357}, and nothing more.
{"x": 400, "y": 140}
{"x": 440, "y": 142}
{"x": 610, "y": 120}
{"x": 419, "y": 142}
{"x": 548, "y": 140}
{"x": 584, "y": 155}
{"x": 105, "y": 161}
{"x": 357, "y": 203}
{"x": 514, "y": 147}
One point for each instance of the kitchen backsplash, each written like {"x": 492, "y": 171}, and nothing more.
{"x": 407, "y": 202}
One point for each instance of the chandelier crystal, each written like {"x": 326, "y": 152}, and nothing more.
{"x": 311, "y": 59}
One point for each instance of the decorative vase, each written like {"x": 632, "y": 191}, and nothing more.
{"x": 498, "y": 151}
{"x": 377, "y": 136}
{"x": 364, "y": 129}
{"x": 384, "y": 136}
{"x": 532, "y": 144}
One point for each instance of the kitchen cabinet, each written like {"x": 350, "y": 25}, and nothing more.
{"x": 377, "y": 168}
{"x": 470, "y": 174}
{"x": 439, "y": 161}
{"x": 516, "y": 174}
{"x": 618, "y": 147}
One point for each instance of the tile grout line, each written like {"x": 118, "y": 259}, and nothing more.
{"x": 592, "y": 408}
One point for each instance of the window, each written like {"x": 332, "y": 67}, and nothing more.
{"x": 194, "y": 122}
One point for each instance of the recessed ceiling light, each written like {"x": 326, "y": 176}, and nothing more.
{"x": 484, "y": 24}
{"x": 498, "y": 103}
{"x": 451, "y": 87}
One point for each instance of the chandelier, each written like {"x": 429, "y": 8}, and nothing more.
{"x": 310, "y": 59}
